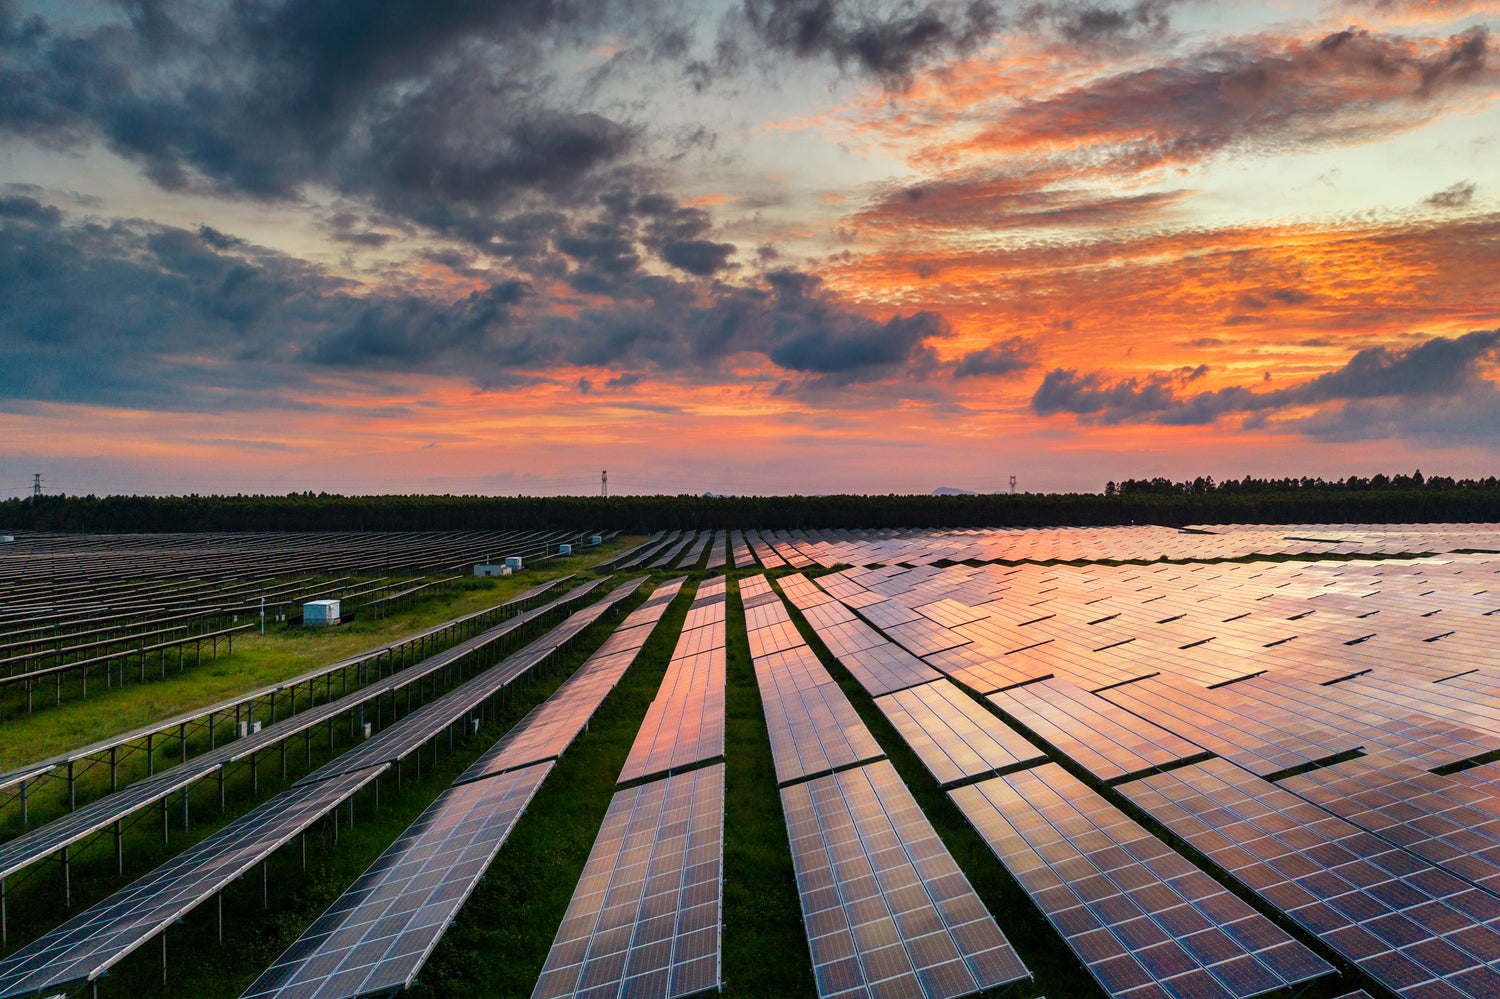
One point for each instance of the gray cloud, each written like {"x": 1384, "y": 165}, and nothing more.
{"x": 157, "y": 317}
{"x": 996, "y": 361}
{"x": 887, "y": 41}
{"x": 28, "y": 210}
{"x": 1090, "y": 24}
{"x": 1437, "y": 375}
{"x": 1457, "y": 196}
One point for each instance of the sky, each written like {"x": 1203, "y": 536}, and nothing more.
{"x": 749, "y": 247}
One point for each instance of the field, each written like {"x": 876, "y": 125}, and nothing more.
{"x": 1221, "y": 701}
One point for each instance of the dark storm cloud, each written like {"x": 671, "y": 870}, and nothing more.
{"x": 441, "y": 110}
{"x": 1439, "y": 374}
{"x": 791, "y": 320}
{"x": 149, "y": 316}
{"x": 1457, "y": 196}
{"x": 420, "y": 106}
{"x": 1088, "y": 24}
{"x": 698, "y": 256}
{"x": 1093, "y": 395}
{"x": 1439, "y": 366}
{"x": 887, "y": 41}
{"x": 825, "y": 349}
{"x": 996, "y": 361}
{"x": 407, "y": 333}
{"x": 28, "y": 210}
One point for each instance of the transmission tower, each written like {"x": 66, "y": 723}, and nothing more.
{"x": 604, "y": 483}
{"x": 36, "y": 485}
{"x": 1012, "y": 485}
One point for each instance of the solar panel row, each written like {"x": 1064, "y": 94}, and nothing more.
{"x": 685, "y": 723}
{"x": 374, "y": 661}
{"x": 1053, "y": 544}
{"x": 718, "y": 554}
{"x": 45, "y": 840}
{"x": 812, "y": 726}
{"x": 376, "y": 937}
{"x": 92, "y": 942}
{"x": 551, "y": 726}
{"x": 1106, "y": 740}
{"x": 954, "y": 737}
{"x": 695, "y": 553}
{"x": 1145, "y": 922}
{"x": 397, "y": 741}
{"x": 1415, "y": 929}
{"x": 878, "y": 665}
{"x": 1449, "y": 821}
{"x": 886, "y": 910}
{"x": 1102, "y": 626}
{"x": 644, "y": 922}
{"x": 88, "y": 945}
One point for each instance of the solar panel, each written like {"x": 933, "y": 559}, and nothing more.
{"x": 985, "y": 671}
{"x": 886, "y": 910}
{"x": 644, "y": 922}
{"x": 718, "y": 554}
{"x": 1262, "y": 744}
{"x": 954, "y": 737}
{"x": 409, "y": 734}
{"x": 1448, "y": 822}
{"x": 1140, "y": 917}
{"x": 812, "y": 726}
{"x": 377, "y": 936}
{"x": 879, "y": 665}
{"x": 46, "y": 840}
{"x": 550, "y": 727}
{"x": 1414, "y": 928}
{"x": 92, "y": 942}
{"x": 1107, "y": 741}
{"x": 685, "y": 722}
{"x": 949, "y": 612}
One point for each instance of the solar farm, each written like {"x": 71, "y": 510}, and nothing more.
{"x": 1220, "y": 762}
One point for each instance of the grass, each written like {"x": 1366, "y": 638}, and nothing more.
{"x": 500, "y": 939}
{"x": 258, "y": 660}
{"x": 762, "y": 915}
{"x": 1056, "y": 971}
{"x": 200, "y": 966}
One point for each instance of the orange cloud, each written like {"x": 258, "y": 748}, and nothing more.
{"x": 1295, "y": 299}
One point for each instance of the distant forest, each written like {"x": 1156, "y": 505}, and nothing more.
{"x": 1378, "y": 499}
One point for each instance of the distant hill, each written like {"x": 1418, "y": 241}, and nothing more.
{"x": 950, "y": 491}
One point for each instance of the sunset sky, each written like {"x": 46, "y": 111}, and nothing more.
{"x": 765, "y": 246}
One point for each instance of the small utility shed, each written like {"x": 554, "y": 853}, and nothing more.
{"x": 320, "y": 613}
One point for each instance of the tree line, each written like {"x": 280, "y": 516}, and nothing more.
{"x": 1380, "y": 499}
{"x": 1205, "y": 484}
